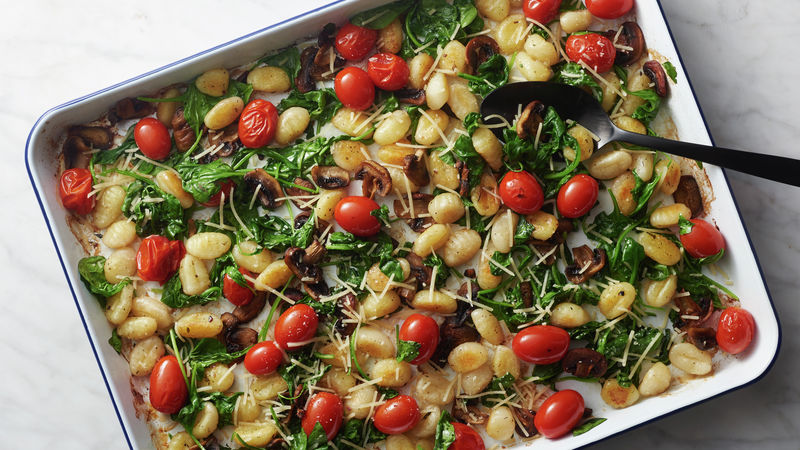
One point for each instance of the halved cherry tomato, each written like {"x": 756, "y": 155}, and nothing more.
{"x": 388, "y": 71}
{"x": 354, "y": 215}
{"x": 225, "y": 187}
{"x": 735, "y": 330}
{"x": 702, "y": 240}
{"x": 152, "y": 138}
{"x": 258, "y": 123}
{"x": 397, "y": 415}
{"x": 541, "y": 344}
{"x": 263, "y": 358}
{"x": 542, "y": 11}
{"x": 168, "y": 392}
{"x": 236, "y": 293}
{"x": 609, "y": 9}
{"x": 354, "y": 88}
{"x": 577, "y": 196}
{"x": 158, "y": 258}
{"x": 295, "y": 326}
{"x": 594, "y": 49}
{"x": 74, "y": 189}
{"x": 354, "y": 42}
{"x": 559, "y": 414}
{"x": 466, "y": 438}
{"x": 521, "y": 192}
{"x": 424, "y": 331}
{"x": 325, "y": 408}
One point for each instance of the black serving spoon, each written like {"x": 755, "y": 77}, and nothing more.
{"x": 574, "y": 103}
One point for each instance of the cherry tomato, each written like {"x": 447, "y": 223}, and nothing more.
{"x": 521, "y": 192}
{"x": 609, "y": 9}
{"x": 152, "y": 138}
{"x": 74, "y": 189}
{"x": 541, "y": 344}
{"x": 168, "y": 392}
{"x": 703, "y": 239}
{"x": 423, "y": 330}
{"x": 296, "y": 325}
{"x": 325, "y": 408}
{"x": 577, "y": 196}
{"x": 594, "y": 49}
{"x": 466, "y": 438}
{"x": 388, "y": 71}
{"x": 354, "y": 42}
{"x": 263, "y": 358}
{"x": 397, "y": 415}
{"x": 542, "y": 11}
{"x": 354, "y": 88}
{"x": 236, "y": 293}
{"x": 354, "y": 215}
{"x": 158, "y": 258}
{"x": 225, "y": 187}
{"x": 258, "y": 123}
{"x": 559, "y": 414}
{"x": 735, "y": 330}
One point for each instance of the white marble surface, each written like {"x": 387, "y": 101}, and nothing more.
{"x": 742, "y": 56}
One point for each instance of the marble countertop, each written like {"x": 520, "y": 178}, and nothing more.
{"x": 742, "y": 58}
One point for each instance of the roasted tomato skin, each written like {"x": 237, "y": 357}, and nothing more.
{"x": 158, "y": 258}
{"x": 466, "y": 438}
{"x": 398, "y": 415}
{"x": 521, "y": 192}
{"x": 423, "y": 330}
{"x": 735, "y": 330}
{"x": 225, "y": 187}
{"x": 263, "y": 358}
{"x": 354, "y": 215}
{"x": 258, "y": 123}
{"x": 325, "y": 408}
{"x": 559, "y": 414}
{"x": 74, "y": 188}
{"x": 236, "y": 293}
{"x": 541, "y": 344}
{"x": 542, "y": 11}
{"x": 152, "y": 138}
{"x": 703, "y": 240}
{"x": 296, "y": 325}
{"x": 354, "y": 42}
{"x": 388, "y": 71}
{"x": 354, "y": 88}
{"x": 168, "y": 392}
{"x": 577, "y": 196}
{"x": 594, "y": 49}
{"x": 609, "y": 9}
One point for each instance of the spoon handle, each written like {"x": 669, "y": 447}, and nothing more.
{"x": 776, "y": 168}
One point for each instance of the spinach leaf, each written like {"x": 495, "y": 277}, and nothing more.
{"x": 354, "y": 256}
{"x": 91, "y": 270}
{"x": 643, "y": 191}
{"x": 321, "y": 104}
{"x": 585, "y": 332}
{"x": 553, "y": 138}
{"x": 572, "y": 5}
{"x": 501, "y": 384}
{"x": 671, "y": 71}
{"x": 317, "y": 440}
{"x": 407, "y": 350}
{"x": 287, "y": 59}
{"x": 464, "y": 151}
{"x": 649, "y": 110}
{"x": 490, "y": 75}
{"x": 547, "y": 372}
{"x": 441, "y": 269}
{"x": 382, "y": 16}
{"x": 588, "y": 425}
{"x": 174, "y": 297}
{"x": 433, "y": 23}
{"x": 154, "y": 211}
{"x": 445, "y": 432}
{"x": 115, "y": 341}
{"x": 112, "y": 155}
{"x": 294, "y": 161}
{"x": 573, "y": 74}
{"x": 203, "y": 181}
{"x": 471, "y": 122}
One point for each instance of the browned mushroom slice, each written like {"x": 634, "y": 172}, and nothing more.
{"x": 688, "y": 193}
{"x": 587, "y": 263}
{"x": 227, "y": 138}
{"x": 704, "y": 338}
{"x": 375, "y": 178}
{"x": 317, "y": 290}
{"x": 314, "y": 253}
{"x": 451, "y": 336}
{"x": 469, "y": 290}
{"x": 525, "y": 427}
{"x": 463, "y": 178}
{"x": 228, "y": 322}
{"x": 346, "y": 311}
{"x": 415, "y": 169}
{"x": 239, "y": 338}
{"x": 321, "y": 70}
{"x": 584, "y": 363}
{"x": 419, "y": 271}
{"x": 267, "y": 188}
{"x": 304, "y": 195}
{"x": 547, "y": 250}
{"x": 406, "y": 295}
{"x": 693, "y": 313}
{"x": 410, "y": 96}
{"x": 629, "y": 43}
{"x": 130, "y": 108}
{"x": 302, "y": 218}
{"x": 420, "y": 207}
{"x": 294, "y": 257}
{"x": 470, "y": 414}
{"x": 304, "y": 80}
{"x": 300, "y": 397}
{"x": 480, "y": 49}
{"x": 248, "y": 312}
{"x": 526, "y": 293}
{"x": 76, "y": 152}
{"x": 530, "y": 120}
{"x": 330, "y": 177}
{"x": 655, "y": 72}
{"x": 182, "y": 132}
{"x": 97, "y": 137}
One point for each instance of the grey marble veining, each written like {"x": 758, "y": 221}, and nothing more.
{"x": 741, "y": 55}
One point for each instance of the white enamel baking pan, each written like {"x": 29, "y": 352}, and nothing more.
{"x": 740, "y": 263}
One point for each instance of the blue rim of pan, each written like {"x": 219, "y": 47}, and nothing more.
{"x": 92, "y": 343}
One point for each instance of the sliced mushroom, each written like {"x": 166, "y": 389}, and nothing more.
{"x": 688, "y": 193}
{"x": 248, "y": 312}
{"x": 693, "y": 313}
{"x": 587, "y": 263}
{"x": 406, "y": 294}
{"x": 463, "y": 178}
{"x": 330, "y": 177}
{"x": 314, "y": 253}
{"x": 327, "y": 36}
{"x": 415, "y": 169}
{"x": 704, "y": 338}
{"x": 629, "y": 43}
{"x": 76, "y": 152}
{"x": 420, "y": 208}
{"x": 182, "y": 132}
{"x": 410, "y": 96}
{"x": 419, "y": 271}
{"x": 321, "y": 70}
{"x": 530, "y": 120}
{"x": 228, "y": 137}
{"x": 526, "y": 293}
{"x": 317, "y": 290}
{"x": 470, "y": 414}
{"x": 97, "y": 137}
{"x": 584, "y": 363}
{"x": 304, "y": 80}
{"x": 239, "y": 338}
{"x": 305, "y": 195}
{"x": 469, "y": 290}
{"x": 130, "y": 108}
{"x": 300, "y": 397}
{"x": 228, "y": 322}
{"x": 375, "y": 178}
{"x": 346, "y": 308}
{"x": 451, "y": 335}
{"x": 655, "y": 71}
{"x": 525, "y": 427}
{"x": 479, "y": 50}
{"x": 294, "y": 294}
{"x": 295, "y": 259}
{"x": 302, "y": 218}
{"x": 267, "y": 187}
